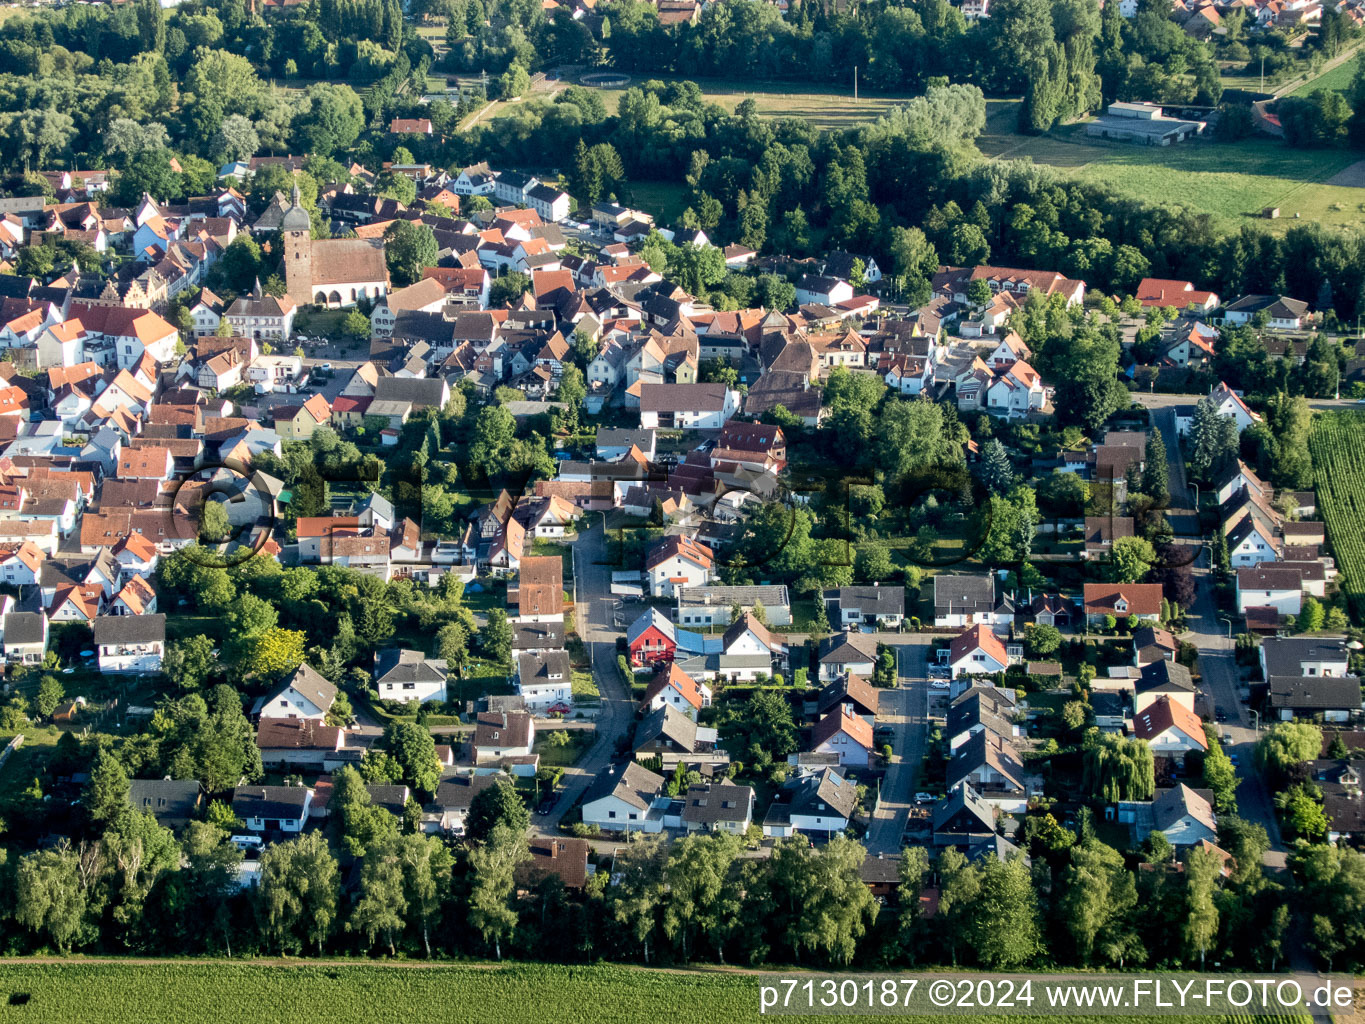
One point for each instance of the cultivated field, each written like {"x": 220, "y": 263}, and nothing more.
{"x": 1338, "y": 448}
{"x": 220, "y": 993}
{"x": 1232, "y": 181}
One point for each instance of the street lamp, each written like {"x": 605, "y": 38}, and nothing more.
{"x": 1257, "y": 723}
{"x": 1196, "y": 495}
{"x": 1224, "y": 618}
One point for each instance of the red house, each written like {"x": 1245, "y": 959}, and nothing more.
{"x": 651, "y": 640}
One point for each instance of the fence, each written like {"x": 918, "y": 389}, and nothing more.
{"x": 10, "y": 748}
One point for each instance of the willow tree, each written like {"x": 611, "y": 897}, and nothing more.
{"x": 1114, "y": 768}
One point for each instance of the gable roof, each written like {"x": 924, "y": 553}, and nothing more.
{"x": 1172, "y": 805}
{"x": 674, "y": 678}
{"x": 1164, "y": 714}
{"x": 1141, "y": 598}
{"x": 981, "y": 638}
{"x": 855, "y": 727}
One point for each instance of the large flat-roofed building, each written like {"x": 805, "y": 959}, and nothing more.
{"x": 1143, "y": 124}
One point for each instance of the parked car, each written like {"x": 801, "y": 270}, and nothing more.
{"x": 245, "y": 843}
{"x": 939, "y": 684}
{"x": 924, "y": 798}
{"x": 1219, "y": 715}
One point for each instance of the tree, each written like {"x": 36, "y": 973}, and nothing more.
{"x": 825, "y": 906}
{"x": 360, "y": 827}
{"x": 1130, "y": 559}
{"x": 213, "y": 522}
{"x": 1098, "y": 893}
{"x": 426, "y": 864}
{"x": 298, "y": 892}
{"x": 106, "y": 794}
{"x": 191, "y": 661}
{"x": 1288, "y": 744}
{"x": 872, "y": 563}
{"x": 1304, "y": 814}
{"x": 1154, "y": 470}
{"x": 49, "y": 895}
{"x": 495, "y": 638}
{"x": 1201, "y": 922}
{"x": 356, "y": 325}
{"x": 380, "y": 900}
{"x": 1003, "y": 925}
{"x": 331, "y": 119}
{"x": 996, "y": 471}
{"x": 1220, "y": 775}
{"x": 50, "y": 694}
{"x": 1311, "y": 616}
{"x": 452, "y": 643}
{"x": 493, "y": 865}
{"x": 409, "y": 247}
{"x": 1040, "y": 639}
{"x": 237, "y": 138}
{"x": 701, "y": 898}
{"x": 979, "y": 293}
{"x": 1114, "y": 768}
{"x": 415, "y": 751}
{"x": 498, "y": 805}
{"x": 635, "y": 899}
{"x": 274, "y": 652}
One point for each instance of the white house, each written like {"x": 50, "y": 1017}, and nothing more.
{"x": 1184, "y": 816}
{"x": 272, "y": 808}
{"x": 409, "y": 676}
{"x": 826, "y": 291}
{"x": 672, "y": 687}
{"x": 1016, "y": 391}
{"x": 848, "y": 652}
{"x": 544, "y": 680}
{"x": 1227, "y": 403}
{"x": 977, "y": 651}
{"x": 1252, "y": 542}
{"x": 130, "y": 643}
{"x": 845, "y": 735}
{"x": 1169, "y": 727}
{"x": 812, "y": 802}
{"x": 686, "y": 406}
{"x": 1282, "y": 312}
{"x": 306, "y": 694}
{"x": 502, "y": 734}
{"x": 23, "y": 565}
{"x": 1270, "y": 586}
{"x": 676, "y": 563}
{"x": 625, "y": 798}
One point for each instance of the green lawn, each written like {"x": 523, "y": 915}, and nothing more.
{"x": 1232, "y": 181}
{"x": 825, "y": 107}
{"x": 663, "y": 200}
{"x": 559, "y": 748}
{"x": 1338, "y": 78}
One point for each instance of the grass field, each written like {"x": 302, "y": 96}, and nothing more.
{"x": 1232, "y": 181}
{"x": 1338, "y": 78}
{"x": 375, "y": 994}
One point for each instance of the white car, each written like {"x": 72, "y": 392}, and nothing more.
{"x": 939, "y": 684}
{"x": 245, "y": 843}
{"x": 325, "y": 366}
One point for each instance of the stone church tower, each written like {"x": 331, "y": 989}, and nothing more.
{"x": 296, "y": 227}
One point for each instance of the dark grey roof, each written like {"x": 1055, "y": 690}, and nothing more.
{"x": 285, "y": 802}
{"x": 397, "y": 665}
{"x": 130, "y": 629}
{"x": 961, "y": 799}
{"x": 720, "y": 801}
{"x": 667, "y": 723}
{"x": 1315, "y": 693}
{"x": 25, "y": 628}
{"x": 631, "y": 782}
{"x": 869, "y": 600}
{"x": 538, "y": 666}
{"x": 537, "y": 636}
{"x": 1285, "y": 656}
{"x": 1165, "y": 676}
{"x": 824, "y": 789}
{"x": 845, "y": 648}
{"x": 165, "y": 798}
{"x": 420, "y": 391}
{"x": 964, "y": 594}
{"x": 459, "y": 791}
{"x": 391, "y": 798}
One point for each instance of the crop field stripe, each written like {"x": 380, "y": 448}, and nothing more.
{"x": 1337, "y": 445}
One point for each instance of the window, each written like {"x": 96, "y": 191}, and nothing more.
{"x": 611, "y": 814}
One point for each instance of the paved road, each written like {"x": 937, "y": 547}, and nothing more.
{"x": 593, "y": 618}
{"x": 1166, "y": 401}
{"x": 906, "y": 709}
{"x": 1217, "y": 663}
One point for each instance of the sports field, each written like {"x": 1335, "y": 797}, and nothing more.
{"x": 270, "y": 992}
{"x": 1233, "y": 181}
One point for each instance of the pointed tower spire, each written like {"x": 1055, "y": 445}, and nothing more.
{"x": 296, "y": 194}
{"x": 256, "y": 292}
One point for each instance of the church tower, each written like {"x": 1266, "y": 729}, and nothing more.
{"x": 296, "y": 228}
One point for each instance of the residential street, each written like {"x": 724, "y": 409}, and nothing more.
{"x": 906, "y": 709}
{"x": 1210, "y": 636}
{"x": 593, "y": 617}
